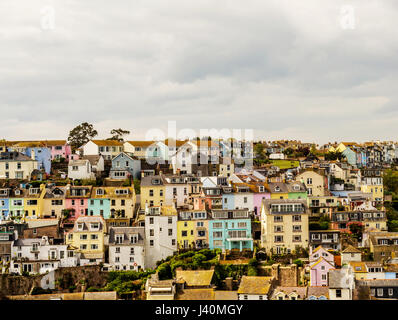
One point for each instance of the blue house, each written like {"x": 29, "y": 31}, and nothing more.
{"x": 351, "y": 156}
{"x": 42, "y": 155}
{"x": 4, "y": 204}
{"x": 125, "y": 165}
{"x": 99, "y": 204}
{"x": 230, "y": 229}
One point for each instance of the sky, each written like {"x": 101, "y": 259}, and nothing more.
{"x": 317, "y": 71}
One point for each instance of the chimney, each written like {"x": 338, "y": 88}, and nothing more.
{"x": 229, "y": 282}
{"x": 32, "y": 154}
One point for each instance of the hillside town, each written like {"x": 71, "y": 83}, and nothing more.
{"x": 198, "y": 219}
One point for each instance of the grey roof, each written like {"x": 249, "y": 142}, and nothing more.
{"x": 14, "y": 156}
{"x": 379, "y": 283}
{"x": 93, "y": 159}
{"x": 148, "y": 181}
{"x": 127, "y": 232}
{"x": 338, "y": 278}
{"x": 282, "y": 186}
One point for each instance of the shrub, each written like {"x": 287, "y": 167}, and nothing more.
{"x": 298, "y": 262}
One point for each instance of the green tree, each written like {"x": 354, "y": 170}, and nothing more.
{"x": 81, "y": 134}
{"x": 117, "y": 134}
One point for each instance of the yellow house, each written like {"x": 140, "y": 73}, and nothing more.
{"x": 152, "y": 191}
{"x": 284, "y": 225}
{"x": 87, "y": 236}
{"x": 377, "y": 191}
{"x": 185, "y": 234}
{"x": 33, "y": 202}
{"x": 278, "y": 190}
{"x": 53, "y": 202}
{"x": 122, "y": 200}
{"x": 138, "y": 148}
{"x": 313, "y": 181}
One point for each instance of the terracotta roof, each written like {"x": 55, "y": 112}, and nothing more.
{"x": 107, "y": 142}
{"x": 255, "y": 285}
{"x": 194, "y": 278}
{"x": 141, "y": 143}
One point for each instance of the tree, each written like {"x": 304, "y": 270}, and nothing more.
{"x": 117, "y": 134}
{"x": 259, "y": 150}
{"x": 81, "y": 134}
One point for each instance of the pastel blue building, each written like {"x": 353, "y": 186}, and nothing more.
{"x": 351, "y": 156}
{"x": 124, "y": 166}
{"x": 99, "y": 207}
{"x": 42, "y": 155}
{"x": 228, "y": 201}
{"x": 230, "y": 229}
{"x": 4, "y": 208}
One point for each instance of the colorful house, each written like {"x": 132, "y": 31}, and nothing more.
{"x": 4, "y": 203}
{"x": 152, "y": 191}
{"x": 54, "y": 202}
{"x": 99, "y": 203}
{"x": 192, "y": 229}
{"x": 59, "y": 149}
{"x": 230, "y": 229}
{"x": 278, "y": 190}
{"x": 125, "y": 166}
{"x": 77, "y": 198}
{"x": 321, "y": 261}
{"x": 88, "y": 236}
{"x": 33, "y": 201}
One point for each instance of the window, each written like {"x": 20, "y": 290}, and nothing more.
{"x": 151, "y": 232}
{"x": 380, "y": 292}
{"x": 150, "y": 220}
{"x": 83, "y": 237}
{"x": 338, "y": 293}
{"x": 278, "y": 238}
{"x": 324, "y": 277}
{"x": 390, "y": 291}
{"x": 94, "y": 237}
{"x": 170, "y": 232}
{"x": 94, "y": 246}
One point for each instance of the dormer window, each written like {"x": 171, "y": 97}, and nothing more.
{"x": 261, "y": 189}
{"x": 119, "y": 238}
{"x": 277, "y": 189}
{"x": 100, "y": 192}
{"x": 121, "y": 191}
{"x": 80, "y": 226}
{"x": 296, "y": 187}
{"x": 17, "y": 192}
{"x": 134, "y": 238}
{"x": 94, "y": 226}
{"x": 34, "y": 190}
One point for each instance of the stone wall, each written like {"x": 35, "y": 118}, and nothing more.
{"x": 59, "y": 280}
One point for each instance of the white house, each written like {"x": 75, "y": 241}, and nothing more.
{"x": 254, "y": 288}
{"x": 160, "y": 235}
{"x": 350, "y": 254}
{"x": 127, "y": 248}
{"x": 341, "y": 283}
{"x": 107, "y": 148}
{"x": 39, "y": 256}
{"x": 80, "y": 169}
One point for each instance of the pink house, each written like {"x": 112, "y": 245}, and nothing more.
{"x": 321, "y": 261}
{"x": 59, "y": 149}
{"x": 260, "y": 192}
{"x": 77, "y": 198}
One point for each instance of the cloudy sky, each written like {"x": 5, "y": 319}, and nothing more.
{"x": 306, "y": 69}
